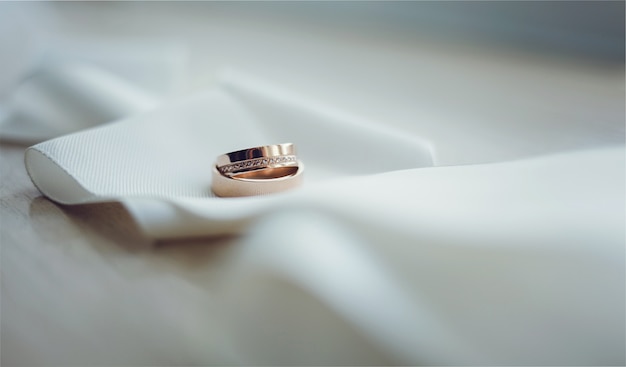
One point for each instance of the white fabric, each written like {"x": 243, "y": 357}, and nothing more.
{"x": 65, "y": 98}
{"x": 70, "y": 86}
{"x": 516, "y": 262}
{"x": 167, "y": 153}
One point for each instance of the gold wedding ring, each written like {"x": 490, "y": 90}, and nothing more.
{"x": 257, "y": 171}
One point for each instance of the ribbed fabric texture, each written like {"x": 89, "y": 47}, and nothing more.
{"x": 165, "y": 153}
{"x": 169, "y": 152}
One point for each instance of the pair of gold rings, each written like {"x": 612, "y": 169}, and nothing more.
{"x": 257, "y": 171}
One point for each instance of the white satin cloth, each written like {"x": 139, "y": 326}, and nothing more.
{"x": 389, "y": 259}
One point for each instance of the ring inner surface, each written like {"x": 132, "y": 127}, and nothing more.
{"x": 268, "y": 173}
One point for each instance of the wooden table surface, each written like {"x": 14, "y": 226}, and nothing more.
{"x": 53, "y": 257}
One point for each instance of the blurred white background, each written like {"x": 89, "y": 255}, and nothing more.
{"x": 479, "y": 79}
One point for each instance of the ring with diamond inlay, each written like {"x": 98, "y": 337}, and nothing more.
{"x": 257, "y": 171}
{"x": 257, "y": 182}
{"x": 257, "y": 158}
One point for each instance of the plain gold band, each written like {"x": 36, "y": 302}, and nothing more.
{"x": 261, "y": 182}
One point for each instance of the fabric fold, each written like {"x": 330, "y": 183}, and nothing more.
{"x": 481, "y": 261}
{"x": 501, "y": 263}
{"x": 166, "y": 154}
